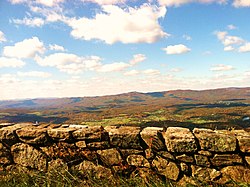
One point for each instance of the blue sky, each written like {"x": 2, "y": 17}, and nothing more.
{"x": 69, "y": 48}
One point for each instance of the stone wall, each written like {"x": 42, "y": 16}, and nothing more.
{"x": 174, "y": 153}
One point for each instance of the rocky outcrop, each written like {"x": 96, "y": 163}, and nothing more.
{"x": 176, "y": 154}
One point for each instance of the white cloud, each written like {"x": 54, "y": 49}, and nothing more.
{"x": 187, "y": 37}
{"x": 137, "y": 59}
{"x": 222, "y": 67}
{"x": 56, "y": 47}
{"x": 151, "y": 72}
{"x": 241, "y": 3}
{"x": 181, "y": 2}
{"x": 27, "y": 48}
{"x": 48, "y": 3}
{"x": 229, "y": 48}
{"x": 231, "y": 27}
{"x": 32, "y": 22}
{"x": 70, "y": 63}
{"x": 106, "y": 2}
{"x": 2, "y": 37}
{"x": 228, "y": 40}
{"x": 176, "y": 49}
{"x": 131, "y": 73}
{"x": 11, "y": 62}
{"x": 176, "y": 70}
{"x": 34, "y": 74}
{"x": 117, "y": 66}
{"x": 245, "y": 47}
{"x": 130, "y": 25}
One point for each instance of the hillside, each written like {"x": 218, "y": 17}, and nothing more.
{"x": 214, "y": 108}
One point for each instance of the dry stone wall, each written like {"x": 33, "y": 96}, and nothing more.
{"x": 172, "y": 153}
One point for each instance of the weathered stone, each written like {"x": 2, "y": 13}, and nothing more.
{"x": 184, "y": 167}
{"x": 98, "y": 145}
{"x": 147, "y": 175}
{"x": 202, "y": 160}
{"x": 6, "y": 124}
{"x": 205, "y": 153}
{"x": 61, "y": 134}
{"x": 91, "y": 133}
{"x": 226, "y": 159}
{"x": 89, "y": 169}
{"x": 243, "y": 140}
{"x": 187, "y": 181}
{"x": 215, "y": 141}
{"x": 57, "y": 165}
{"x": 167, "y": 168}
{"x": 239, "y": 174}
{"x": 110, "y": 157}
{"x": 179, "y": 140}
{"x": 152, "y": 136}
{"x": 138, "y": 161}
{"x": 166, "y": 154}
{"x": 124, "y": 137}
{"x": 149, "y": 154}
{"x": 8, "y": 133}
{"x": 81, "y": 144}
{"x": 123, "y": 170}
{"x": 126, "y": 152}
{"x": 205, "y": 174}
{"x": 185, "y": 158}
{"x": 247, "y": 158}
{"x": 5, "y": 160}
{"x": 32, "y": 135}
{"x": 28, "y": 156}
{"x": 5, "y": 155}
{"x": 67, "y": 152}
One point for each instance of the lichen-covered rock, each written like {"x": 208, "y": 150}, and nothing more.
{"x": 184, "y": 167}
{"x": 8, "y": 133}
{"x": 202, "y": 160}
{"x": 247, "y": 158}
{"x": 147, "y": 175}
{"x": 149, "y": 154}
{"x": 91, "y": 133}
{"x": 61, "y": 134}
{"x": 28, "y": 156}
{"x": 89, "y": 169}
{"x": 215, "y": 140}
{"x": 152, "y": 136}
{"x": 204, "y": 174}
{"x": 124, "y": 137}
{"x": 98, "y": 145}
{"x": 239, "y": 174}
{"x": 226, "y": 159}
{"x": 243, "y": 138}
{"x": 32, "y": 135}
{"x": 166, "y": 154}
{"x": 57, "y": 165}
{"x": 126, "y": 152}
{"x": 110, "y": 157}
{"x": 179, "y": 140}
{"x": 81, "y": 144}
{"x": 138, "y": 161}
{"x": 166, "y": 168}
{"x": 205, "y": 153}
{"x": 5, "y": 155}
{"x": 185, "y": 158}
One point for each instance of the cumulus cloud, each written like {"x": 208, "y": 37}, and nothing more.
{"x": 241, "y": 3}
{"x": 137, "y": 59}
{"x": 70, "y": 63}
{"x": 227, "y": 39}
{"x": 40, "y": 74}
{"x": 56, "y": 47}
{"x": 11, "y": 62}
{"x": 106, "y": 2}
{"x": 181, "y": 2}
{"x": 176, "y": 49}
{"x": 27, "y": 48}
{"x": 130, "y": 25}
{"x": 222, "y": 67}
{"x": 131, "y": 73}
{"x": 2, "y": 37}
{"x": 32, "y": 22}
{"x": 48, "y": 3}
{"x": 245, "y": 48}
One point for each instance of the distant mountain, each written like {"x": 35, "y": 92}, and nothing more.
{"x": 133, "y": 98}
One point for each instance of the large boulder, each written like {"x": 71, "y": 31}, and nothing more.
{"x": 124, "y": 137}
{"x": 166, "y": 168}
{"x": 27, "y": 156}
{"x": 179, "y": 140}
{"x": 152, "y": 136}
{"x": 216, "y": 141}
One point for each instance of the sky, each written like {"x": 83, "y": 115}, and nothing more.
{"x": 76, "y": 48}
